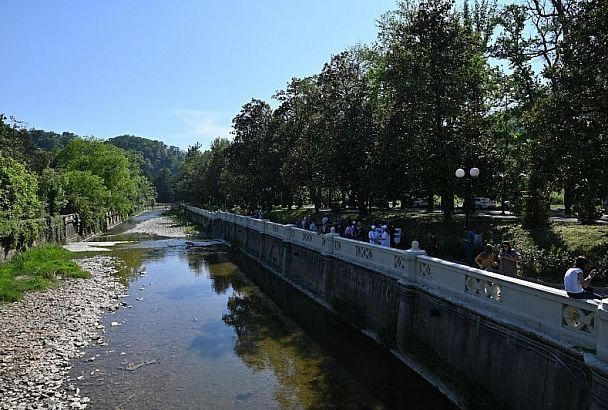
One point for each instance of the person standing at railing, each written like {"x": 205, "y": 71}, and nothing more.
{"x": 325, "y": 223}
{"x": 385, "y": 237}
{"x": 373, "y": 235}
{"x": 469, "y": 245}
{"x": 485, "y": 260}
{"x": 575, "y": 282}
{"x": 508, "y": 260}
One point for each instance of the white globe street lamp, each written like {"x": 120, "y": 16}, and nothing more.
{"x": 460, "y": 173}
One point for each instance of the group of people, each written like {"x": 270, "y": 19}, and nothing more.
{"x": 382, "y": 235}
{"x": 577, "y": 279}
{"x": 379, "y": 236}
{"x": 503, "y": 261}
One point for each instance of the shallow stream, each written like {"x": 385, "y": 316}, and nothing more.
{"x": 196, "y": 333}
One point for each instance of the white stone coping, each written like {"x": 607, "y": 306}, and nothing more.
{"x": 546, "y": 311}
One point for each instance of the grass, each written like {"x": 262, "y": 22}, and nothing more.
{"x": 36, "y": 269}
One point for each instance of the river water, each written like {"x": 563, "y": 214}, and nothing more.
{"x": 198, "y": 334}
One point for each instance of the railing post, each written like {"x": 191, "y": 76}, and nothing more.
{"x": 328, "y": 245}
{"x": 411, "y": 257}
{"x": 287, "y": 232}
{"x": 602, "y": 332}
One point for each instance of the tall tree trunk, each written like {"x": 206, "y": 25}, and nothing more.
{"x": 430, "y": 201}
{"x": 569, "y": 197}
{"x": 447, "y": 204}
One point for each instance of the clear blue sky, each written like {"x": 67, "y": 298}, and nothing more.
{"x": 177, "y": 71}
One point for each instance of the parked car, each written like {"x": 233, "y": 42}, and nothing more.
{"x": 420, "y": 202}
{"x": 484, "y": 203}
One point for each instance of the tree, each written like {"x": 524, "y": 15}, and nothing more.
{"x": 18, "y": 191}
{"x": 50, "y": 191}
{"x": 160, "y": 162}
{"x": 347, "y": 125}
{"x": 253, "y": 158}
{"x": 109, "y": 163}
{"x": 305, "y": 171}
{"x": 86, "y": 195}
{"x": 576, "y": 112}
{"x": 434, "y": 79}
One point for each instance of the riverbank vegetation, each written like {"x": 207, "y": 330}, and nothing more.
{"x": 513, "y": 90}
{"x": 85, "y": 176}
{"x": 36, "y": 269}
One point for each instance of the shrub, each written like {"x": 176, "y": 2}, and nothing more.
{"x": 546, "y": 264}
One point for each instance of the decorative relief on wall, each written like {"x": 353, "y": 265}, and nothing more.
{"x": 424, "y": 270}
{"x": 337, "y": 245}
{"x": 398, "y": 262}
{"x": 578, "y": 319}
{"x": 483, "y": 288}
{"x": 275, "y": 228}
{"x": 363, "y": 252}
{"x": 307, "y": 237}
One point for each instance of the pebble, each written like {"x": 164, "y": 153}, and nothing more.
{"x": 43, "y": 332}
{"x": 163, "y": 226}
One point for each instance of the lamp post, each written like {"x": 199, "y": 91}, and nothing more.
{"x": 504, "y": 157}
{"x": 461, "y": 173}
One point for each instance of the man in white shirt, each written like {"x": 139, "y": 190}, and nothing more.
{"x": 373, "y": 235}
{"x": 575, "y": 282}
{"x": 385, "y": 238}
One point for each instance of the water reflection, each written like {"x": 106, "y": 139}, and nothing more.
{"x": 219, "y": 342}
{"x": 215, "y": 341}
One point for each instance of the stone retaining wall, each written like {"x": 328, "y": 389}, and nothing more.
{"x": 526, "y": 345}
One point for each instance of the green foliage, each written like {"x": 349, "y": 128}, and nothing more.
{"x": 18, "y": 191}
{"x": 50, "y": 191}
{"x": 98, "y": 178}
{"x": 86, "y": 195}
{"x": 36, "y": 269}
{"x": 50, "y": 141}
{"x": 18, "y": 233}
{"x": 159, "y": 163}
{"x": 106, "y": 162}
{"x": 16, "y": 144}
{"x": 550, "y": 264}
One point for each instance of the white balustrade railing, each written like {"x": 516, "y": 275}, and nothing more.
{"x": 546, "y": 310}
{"x": 380, "y": 258}
{"x": 241, "y": 220}
{"x": 256, "y": 224}
{"x": 541, "y": 309}
{"x": 307, "y": 239}
{"x": 274, "y": 229}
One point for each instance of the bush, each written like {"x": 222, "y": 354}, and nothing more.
{"x": 535, "y": 211}
{"x": 547, "y": 264}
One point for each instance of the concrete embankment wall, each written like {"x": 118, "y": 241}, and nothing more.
{"x": 483, "y": 336}
{"x": 58, "y": 229}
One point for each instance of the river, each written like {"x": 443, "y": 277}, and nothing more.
{"x": 196, "y": 333}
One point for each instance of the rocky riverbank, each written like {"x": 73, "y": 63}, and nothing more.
{"x": 43, "y": 332}
{"x": 163, "y": 226}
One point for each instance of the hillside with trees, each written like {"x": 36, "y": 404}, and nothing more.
{"x": 48, "y": 174}
{"x": 159, "y": 162}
